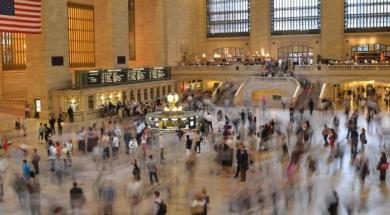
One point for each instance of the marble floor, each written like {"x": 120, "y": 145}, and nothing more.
{"x": 266, "y": 191}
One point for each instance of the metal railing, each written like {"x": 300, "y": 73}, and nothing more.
{"x": 323, "y": 67}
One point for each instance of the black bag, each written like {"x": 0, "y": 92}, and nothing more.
{"x": 162, "y": 208}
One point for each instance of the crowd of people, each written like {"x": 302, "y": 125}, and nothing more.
{"x": 238, "y": 139}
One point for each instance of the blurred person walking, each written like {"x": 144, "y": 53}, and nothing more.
{"x": 34, "y": 190}
{"x": 107, "y": 197}
{"x": 35, "y": 158}
{"x": 77, "y": 199}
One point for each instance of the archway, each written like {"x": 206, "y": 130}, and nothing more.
{"x": 296, "y": 54}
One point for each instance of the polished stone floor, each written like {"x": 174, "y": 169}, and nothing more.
{"x": 266, "y": 191}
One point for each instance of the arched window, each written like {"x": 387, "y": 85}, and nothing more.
{"x": 226, "y": 18}
{"x": 295, "y": 16}
{"x": 296, "y": 54}
{"x": 367, "y": 16}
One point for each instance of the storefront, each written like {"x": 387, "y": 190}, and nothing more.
{"x": 195, "y": 85}
{"x": 368, "y": 53}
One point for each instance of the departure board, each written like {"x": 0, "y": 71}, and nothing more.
{"x": 137, "y": 74}
{"x": 158, "y": 73}
{"x": 120, "y": 76}
{"x": 93, "y": 78}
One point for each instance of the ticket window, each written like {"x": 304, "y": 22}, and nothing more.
{"x": 152, "y": 93}
{"x": 132, "y": 97}
{"x": 139, "y": 95}
{"x": 124, "y": 97}
{"x": 146, "y": 95}
{"x": 91, "y": 103}
{"x": 164, "y": 92}
{"x": 158, "y": 95}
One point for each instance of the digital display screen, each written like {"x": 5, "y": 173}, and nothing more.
{"x": 114, "y": 77}
{"x": 136, "y": 74}
{"x": 158, "y": 73}
{"x": 93, "y": 78}
{"x": 119, "y": 76}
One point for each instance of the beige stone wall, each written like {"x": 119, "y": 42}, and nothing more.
{"x": 332, "y": 29}
{"x": 111, "y": 32}
{"x": 260, "y": 26}
{"x": 148, "y": 33}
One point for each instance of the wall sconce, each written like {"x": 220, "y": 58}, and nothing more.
{"x": 72, "y": 101}
{"x": 102, "y": 97}
{"x": 204, "y": 55}
{"x": 110, "y": 96}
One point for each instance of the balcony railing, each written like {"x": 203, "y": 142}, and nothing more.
{"x": 234, "y": 67}
{"x": 320, "y": 67}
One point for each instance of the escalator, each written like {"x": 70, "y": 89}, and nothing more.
{"x": 225, "y": 93}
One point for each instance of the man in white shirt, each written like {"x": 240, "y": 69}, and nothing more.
{"x": 162, "y": 146}
{"x": 115, "y": 147}
{"x": 69, "y": 151}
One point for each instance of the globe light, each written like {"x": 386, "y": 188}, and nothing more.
{"x": 170, "y": 98}
{"x": 176, "y": 98}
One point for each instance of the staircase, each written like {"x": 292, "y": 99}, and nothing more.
{"x": 226, "y": 91}
{"x": 311, "y": 91}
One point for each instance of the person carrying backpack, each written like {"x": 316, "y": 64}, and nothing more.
{"x": 159, "y": 207}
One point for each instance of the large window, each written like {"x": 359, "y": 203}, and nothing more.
{"x": 226, "y": 18}
{"x": 132, "y": 29}
{"x": 296, "y": 54}
{"x": 296, "y": 16}
{"x": 81, "y": 34}
{"x": 13, "y": 46}
{"x": 367, "y": 15}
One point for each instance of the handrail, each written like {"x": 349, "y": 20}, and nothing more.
{"x": 307, "y": 96}
{"x": 323, "y": 89}
{"x": 239, "y": 89}
{"x": 215, "y": 91}
{"x": 342, "y": 67}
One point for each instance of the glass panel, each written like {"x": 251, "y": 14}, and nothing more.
{"x": 295, "y": 16}
{"x": 81, "y": 35}
{"x": 228, "y": 18}
{"x": 367, "y": 15}
{"x": 13, "y": 46}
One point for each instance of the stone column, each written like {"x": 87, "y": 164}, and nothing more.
{"x": 332, "y": 29}
{"x": 260, "y": 26}
{"x": 179, "y": 30}
{"x": 42, "y": 77}
{"x": 111, "y": 32}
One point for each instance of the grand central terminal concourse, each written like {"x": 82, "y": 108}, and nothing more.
{"x": 194, "y": 107}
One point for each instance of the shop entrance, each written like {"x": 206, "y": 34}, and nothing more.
{"x": 356, "y": 91}
{"x": 296, "y": 54}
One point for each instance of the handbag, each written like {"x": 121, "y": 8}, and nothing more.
{"x": 197, "y": 210}
{"x": 384, "y": 166}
